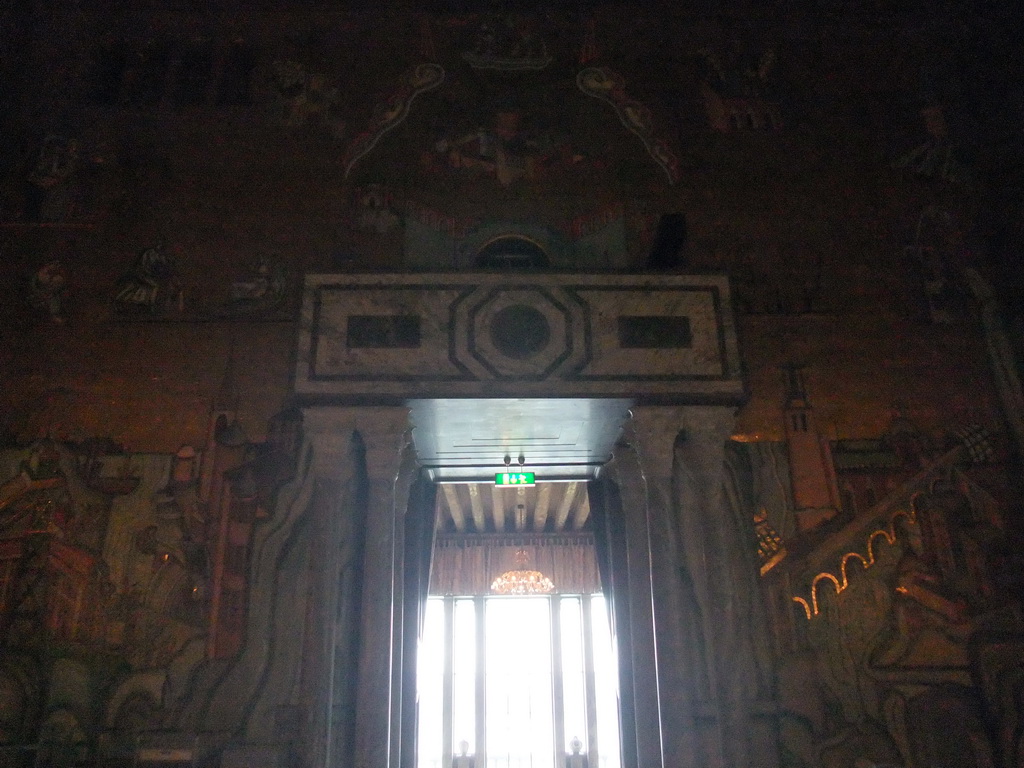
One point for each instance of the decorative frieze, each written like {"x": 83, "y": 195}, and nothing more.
{"x": 375, "y": 338}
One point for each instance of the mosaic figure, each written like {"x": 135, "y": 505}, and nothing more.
{"x": 48, "y": 196}
{"x": 48, "y": 288}
{"x": 151, "y": 285}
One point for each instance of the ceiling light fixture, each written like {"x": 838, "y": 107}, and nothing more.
{"x": 521, "y": 580}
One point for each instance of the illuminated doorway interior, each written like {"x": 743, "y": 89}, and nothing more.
{"x": 517, "y": 682}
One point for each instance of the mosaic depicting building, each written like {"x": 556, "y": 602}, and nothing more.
{"x": 328, "y": 327}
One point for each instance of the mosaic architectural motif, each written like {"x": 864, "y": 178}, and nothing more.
{"x": 604, "y": 84}
{"x": 739, "y": 92}
{"x": 300, "y": 97}
{"x": 504, "y": 44}
{"x": 421, "y": 78}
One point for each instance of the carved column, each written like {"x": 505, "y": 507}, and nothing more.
{"x": 385, "y": 434}
{"x": 702, "y": 590}
{"x": 652, "y": 433}
{"x": 714, "y": 557}
{"x": 635, "y": 626}
{"x": 352, "y": 655}
{"x": 336, "y": 524}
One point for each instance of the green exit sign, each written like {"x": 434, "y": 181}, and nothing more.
{"x": 515, "y": 478}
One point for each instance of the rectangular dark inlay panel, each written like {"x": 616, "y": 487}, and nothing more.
{"x": 654, "y": 332}
{"x": 383, "y": 332}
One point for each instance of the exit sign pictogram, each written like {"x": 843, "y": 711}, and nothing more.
{"x": 515, "y": 478}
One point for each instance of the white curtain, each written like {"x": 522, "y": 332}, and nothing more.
{"x": 466, "y": 565}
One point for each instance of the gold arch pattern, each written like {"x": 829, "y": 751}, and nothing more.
{"x": 842, "y": 581}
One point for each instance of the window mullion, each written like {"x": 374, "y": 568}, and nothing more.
{"x": 448, "y": 682}
{"x": 557, "y": 690}
{"x": 479, "y": 605}
{"x": 590, "y": 687}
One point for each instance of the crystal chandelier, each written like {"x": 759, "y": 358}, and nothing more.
{"x": 521, "y": 580}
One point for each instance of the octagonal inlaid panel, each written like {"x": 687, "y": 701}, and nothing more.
{"x": 518, "y": 332}
{"x": 390, "y": 338}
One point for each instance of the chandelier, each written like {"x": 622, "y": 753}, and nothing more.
{"x": 521, "y": 580}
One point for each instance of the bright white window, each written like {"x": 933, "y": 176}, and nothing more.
{"x": 519, "y": 709}
{"x": 517, "y": 682}
{"x": 463, "y": 645}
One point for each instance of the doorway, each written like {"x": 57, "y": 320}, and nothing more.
{"x": 516, "y": 680}
{"x": 503, "y": 681}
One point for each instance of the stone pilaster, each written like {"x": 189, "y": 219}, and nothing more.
{"x": 640, "y": 645}
{"x": 339, "y": 631}
{"x": 702, "y": 588}
{"x": 713, "y": 549}
{"x": 653, "y": 432}
{"x": 385, "y": 436}
{"x": 335, "y": 557}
